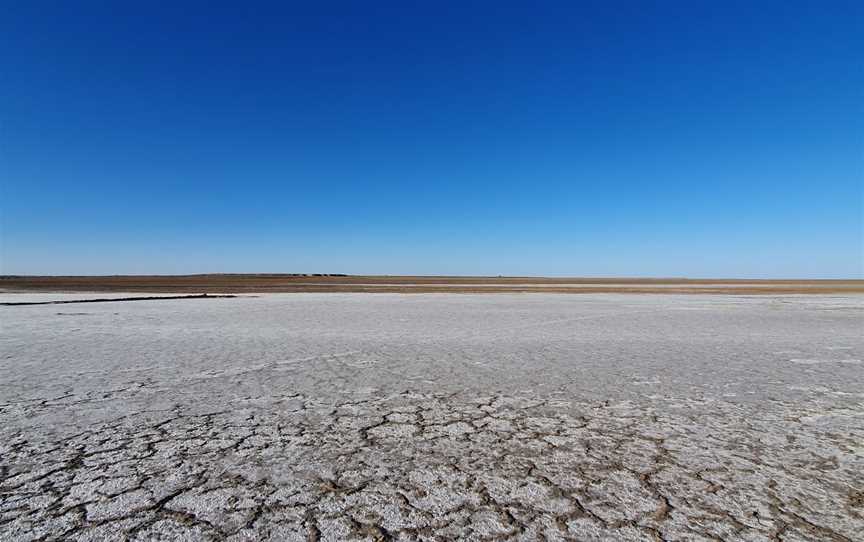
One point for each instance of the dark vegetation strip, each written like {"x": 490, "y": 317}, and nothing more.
{"x": 109, "y": 300}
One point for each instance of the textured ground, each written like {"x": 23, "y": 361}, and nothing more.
{"x": 434, "y": 417}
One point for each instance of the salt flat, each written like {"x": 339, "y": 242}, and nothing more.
{"x": 434, "y": 417}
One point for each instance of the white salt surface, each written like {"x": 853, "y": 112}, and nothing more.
{"x": 368, "y": 416}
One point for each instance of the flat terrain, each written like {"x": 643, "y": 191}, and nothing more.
{"x": 398, "y": 284}
{"x": 433, "y": 417}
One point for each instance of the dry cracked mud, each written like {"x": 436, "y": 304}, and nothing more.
{"x": 353, "y": 417}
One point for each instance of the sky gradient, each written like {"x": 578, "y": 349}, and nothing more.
{"x": 702, "y": 139}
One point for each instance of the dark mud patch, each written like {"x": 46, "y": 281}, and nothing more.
{"x": 112, "y": 300}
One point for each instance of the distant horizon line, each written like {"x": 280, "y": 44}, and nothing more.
{"x": 431, "y": 276}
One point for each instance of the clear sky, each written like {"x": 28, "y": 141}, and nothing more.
{"x": 641, "y": 138}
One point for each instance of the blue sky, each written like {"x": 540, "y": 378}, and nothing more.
{"x": 705, "y": 139}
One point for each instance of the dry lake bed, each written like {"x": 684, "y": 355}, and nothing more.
{"x": 347, "y": 416}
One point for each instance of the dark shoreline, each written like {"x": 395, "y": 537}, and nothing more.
{"x": 324, "y": 283}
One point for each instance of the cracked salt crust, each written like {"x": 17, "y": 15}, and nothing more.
{"x": 181, "y": 421}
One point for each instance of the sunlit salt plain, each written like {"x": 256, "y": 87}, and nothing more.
{"x": 433, "y": 417}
